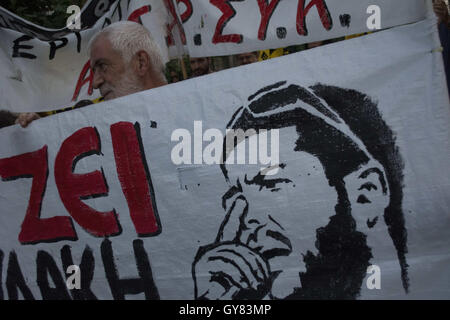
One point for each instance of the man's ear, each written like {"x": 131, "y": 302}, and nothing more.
{"x": 368, "y": 193}
{"x": 142, "y": 63}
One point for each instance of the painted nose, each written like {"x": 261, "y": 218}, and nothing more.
{"x": 251, "y": 221}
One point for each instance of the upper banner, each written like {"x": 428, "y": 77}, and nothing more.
{"x": 218, "y": 27}
{"x": 318, "y": 175}
{"x": 45, "y": 69}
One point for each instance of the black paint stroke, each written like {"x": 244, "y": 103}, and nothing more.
{"x": 121, "y": 287}
{"x": 46, "y": 266}
{"x": 15, "y": 280}
{"x": 137, "y": 127}
{"x": 86, "y": 266}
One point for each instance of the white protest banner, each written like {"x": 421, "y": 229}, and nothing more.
{"x": 219, "y": 27}
{"x": 45, "y": 69}
{"x": 344, "y": 191}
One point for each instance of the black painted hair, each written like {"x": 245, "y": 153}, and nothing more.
{"x": 271, "y": 108}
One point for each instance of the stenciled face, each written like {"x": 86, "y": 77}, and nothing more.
{"x": 277, "y": 230}
{"x": 199, "y": 66}
{"x": 247, "y": 58}
{"x": 112, "y": 76}
{"x": 302, "y": 226}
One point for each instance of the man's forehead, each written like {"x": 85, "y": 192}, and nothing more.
{"x": 101, "y": 48}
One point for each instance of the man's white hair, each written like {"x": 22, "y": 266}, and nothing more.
{"x": 128, "y": 38}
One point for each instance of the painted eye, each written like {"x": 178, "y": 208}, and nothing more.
{"x": 273, "y": 184}
{"x": 261, "y": 181}
{"x": 368, "y": 186}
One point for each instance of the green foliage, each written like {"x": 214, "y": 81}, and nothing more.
{"x": 174, "y": 65}
{"x": 46, "y": 13}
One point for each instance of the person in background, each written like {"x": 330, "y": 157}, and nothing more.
{"x": 174, "y": 76}
{"x": 200, "y": 66}
{"x": 247, "y": 57}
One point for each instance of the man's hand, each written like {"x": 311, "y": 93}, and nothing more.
{"x": 441, "y": 11}
{"x": 24, "y": 119}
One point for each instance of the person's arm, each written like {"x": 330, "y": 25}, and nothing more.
{"x": 25, "y": 118}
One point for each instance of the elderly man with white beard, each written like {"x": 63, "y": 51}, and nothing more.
{"x": 124, "y": 60}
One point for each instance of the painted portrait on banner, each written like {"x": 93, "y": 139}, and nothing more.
{"x": 339, "y": 178}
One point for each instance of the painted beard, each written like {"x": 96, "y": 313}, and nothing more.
{"x": 339, "y": 268}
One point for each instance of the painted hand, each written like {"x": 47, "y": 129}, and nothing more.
{"x": 230, "y": 271}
